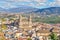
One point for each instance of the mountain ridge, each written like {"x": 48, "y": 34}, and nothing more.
{"x": 28, "y": 9}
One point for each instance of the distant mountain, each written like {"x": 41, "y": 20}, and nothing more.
{"x": 2, "y": 9}
{"x": 28, "y": 9}
{"x": 24, "y": 9}
{"x": 51, "y": 10}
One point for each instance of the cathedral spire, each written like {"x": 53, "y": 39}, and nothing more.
{"x": 30, "y": 21}
{"x": 20, "y": 21}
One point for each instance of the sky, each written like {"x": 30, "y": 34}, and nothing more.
{"x": 32, "y": 3}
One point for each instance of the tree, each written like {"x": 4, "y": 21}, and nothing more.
{"x": 4, "y": 27}
{"x": 53, "y": 36}
{"x": 29, "y": 39}
{"x": 3, "y": 19}
{"x": 59, "y": 37}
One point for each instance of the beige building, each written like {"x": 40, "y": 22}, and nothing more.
{"x": 25, "y": 23}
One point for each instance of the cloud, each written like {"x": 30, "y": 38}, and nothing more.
{"x": 40, "y": 1}
{"x": 18, "y": 0}
{"x": 33, "y": 3}
{"x": 6, "y": 5}
{"x": 52, "y": 4}
{"x": 57, "y": 2}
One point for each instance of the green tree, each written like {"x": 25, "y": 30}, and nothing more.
{"x": 53, "y": 36}
{"x": 29, "y": 39}
{"x": 4, "y": 27}
{"x": 59, "y": 37}
{"x": 3, "y": 20}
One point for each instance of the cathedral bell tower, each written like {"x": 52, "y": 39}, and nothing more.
{"x": 30, "y": 21}
{"x": 20, "y": 21}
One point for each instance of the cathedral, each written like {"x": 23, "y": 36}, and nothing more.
{"x": 25, "y": 23}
